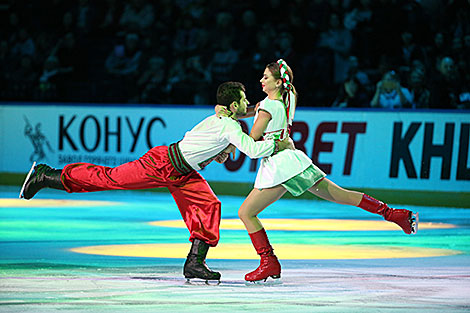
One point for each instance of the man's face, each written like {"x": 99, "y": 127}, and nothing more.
{"x": 242, "y": 105}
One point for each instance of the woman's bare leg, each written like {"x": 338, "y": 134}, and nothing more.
{"x": 328, "y": 190}
{"x": 255, "y": 203}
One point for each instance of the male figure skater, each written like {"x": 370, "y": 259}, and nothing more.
{"x": 174, "y": 167}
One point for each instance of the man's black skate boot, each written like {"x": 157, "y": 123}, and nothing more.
{"x": 195, "y": 265}
{"x": 43, "y": 176}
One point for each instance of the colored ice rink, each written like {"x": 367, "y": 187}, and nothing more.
{"x": 124, "y": 252}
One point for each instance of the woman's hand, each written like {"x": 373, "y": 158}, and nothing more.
{"x": 221, "y": 110}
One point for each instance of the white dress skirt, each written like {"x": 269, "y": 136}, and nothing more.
{"x": 292, "y": 169}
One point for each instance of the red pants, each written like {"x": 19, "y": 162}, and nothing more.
{"x": 196, "y": 201}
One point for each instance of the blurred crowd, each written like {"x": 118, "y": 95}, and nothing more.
{"x": 351, "y": 53}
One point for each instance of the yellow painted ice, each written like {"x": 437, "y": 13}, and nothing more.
{"x": 283, "y": 251}
{"x": 310, "y": 224}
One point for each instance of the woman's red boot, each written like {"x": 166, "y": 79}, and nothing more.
{"x": 407, "y": 220}
{"x": 269, "y": 265}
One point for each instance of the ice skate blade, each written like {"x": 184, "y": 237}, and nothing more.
{"x": 26, "y": 180}
{"x": 201, "y": 282}
{"x": 270, "y": 281}
{"x": 414, "y": 222}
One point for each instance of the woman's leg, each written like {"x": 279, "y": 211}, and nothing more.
{"x": 326, "y": 189}
{"x": 256, "y": 202}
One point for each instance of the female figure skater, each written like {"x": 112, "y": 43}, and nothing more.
{"x": 293, "y": 171}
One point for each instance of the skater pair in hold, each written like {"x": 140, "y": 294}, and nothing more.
{"x": 215, "y": 138}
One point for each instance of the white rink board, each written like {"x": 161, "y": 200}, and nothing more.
{"x": 402, "y": 150}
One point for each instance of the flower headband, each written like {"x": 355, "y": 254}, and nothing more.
{"x": 284, "y": 74}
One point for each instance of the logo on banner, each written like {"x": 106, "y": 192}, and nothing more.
{"x": 38, "y": 140}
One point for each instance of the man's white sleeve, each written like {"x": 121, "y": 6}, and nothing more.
{"x": 253, "y": 149}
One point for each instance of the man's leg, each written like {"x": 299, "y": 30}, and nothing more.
{"x": 39, "y": 177}
{"x": 150, "y": 171}
{"x": 200, "y": 210}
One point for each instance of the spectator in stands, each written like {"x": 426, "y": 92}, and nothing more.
{"x": 50, "y": 79}
{"x": 5, "y": 61}
{"x": 68, "y": 25}
{"x": 457, "y": 13}
{"x": 359, "y": 15}
{"x": 186, "y": 37}
{"x": 24, "y": 45}
{"x": 456, "y": 50}
{"x": 5, "y": 68}
{"x": 44, "y": 48}
{"x": 438, "y": 50}
{"x": 446, "y": 87}
{"x": 110, "y": 12}
{"x": 355, "y": 69}
{"x": 351, "y": 95}
{"x": 188, "y": 82}
{"x": 124, "y": 60}
{"x": 122, "y": 64}
{"x": 322, "y": 45}
{"x": 176, "y": 74}
{"x": 85, "y": 16}
{"x": 152, "y": 82}
{"x": 390, "y": 94}
{"x": 245, "y": 36}
{"x": 197, "y": 80}
{"x": 72, "y": 58}
{"x": 465, "y": 66}
{"x": 223, "y": 61}
{"x": 417, "y": 85}
{"x": 466, "y": 44}
{"x": 11, "y": 31}
{"x": 23, "y": 79}
{"x": 359, "y": 21}
{"x": 224, "y": 27}
{"x": 410, "y": 51}
{"x": 337, "y": 40}
{"x": 203, "y": 47}
{"x": 138, "y": 16}
{"x": 167, "y": 12}
{"x": 262, "y": 51}
{"x": 285, "y": 48}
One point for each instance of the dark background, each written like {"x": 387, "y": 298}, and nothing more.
{"x": 177, "y": 52}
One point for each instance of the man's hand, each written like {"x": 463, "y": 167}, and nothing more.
{"x": 223, "y": 156}
{"x": 231, "y": 149}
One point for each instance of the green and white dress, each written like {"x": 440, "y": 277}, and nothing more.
{"x": 292, "y": 169}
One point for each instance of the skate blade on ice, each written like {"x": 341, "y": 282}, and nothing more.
{"x": 270, "y": 281}
{"x": 27, "y": 178}
{"x": 414, "y": 222}
{"x": 201, "y": 282}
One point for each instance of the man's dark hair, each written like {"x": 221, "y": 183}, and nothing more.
{"x": 228, "y": 92}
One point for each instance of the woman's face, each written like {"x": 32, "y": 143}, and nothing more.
{"x": 268, "y": 82}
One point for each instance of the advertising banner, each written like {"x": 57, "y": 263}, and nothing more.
{"x": 403, "y": 150}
